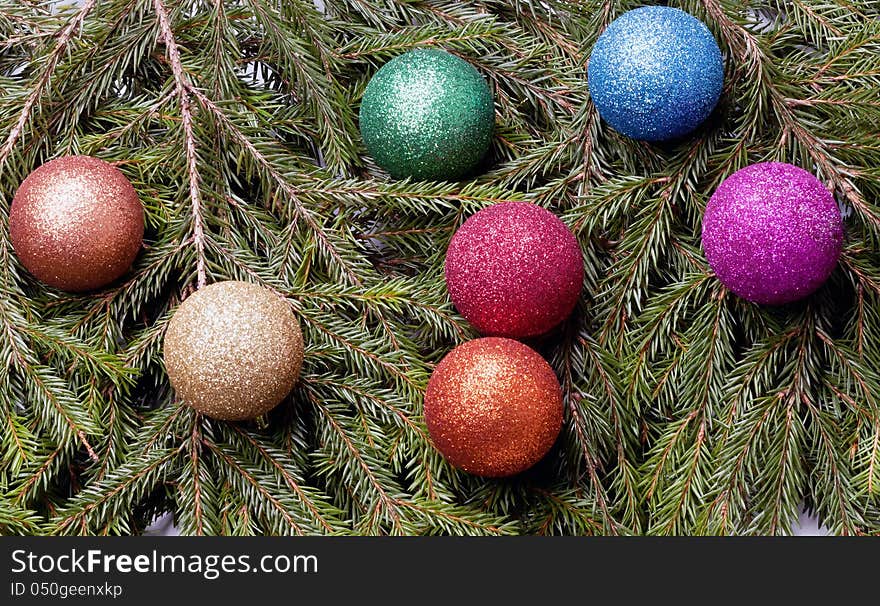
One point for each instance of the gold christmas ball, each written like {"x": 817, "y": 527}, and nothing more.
{"x": 233, "y": 350}
{"x": 76, "y": 223}
{"x": 493, "y": 407}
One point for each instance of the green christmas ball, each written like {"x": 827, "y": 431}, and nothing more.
{"x": 427, "y": 114}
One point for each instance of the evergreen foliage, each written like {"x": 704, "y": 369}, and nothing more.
{"x": 687, "y": 409}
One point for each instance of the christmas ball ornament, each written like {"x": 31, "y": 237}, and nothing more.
{"x": 772, "y": 233}
{"x": 655, "y": 73}
{"x": 427, "y": 115}
{"x": 514, "y": 270}
{"x": 233, "y": 350}
{"x": 76, "y": 223}
{"x": 493, "y": 407}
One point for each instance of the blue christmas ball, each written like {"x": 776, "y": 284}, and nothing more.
{"x": 655, "y": 73}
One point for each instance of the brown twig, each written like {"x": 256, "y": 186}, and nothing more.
{"x": 182, "y": 86}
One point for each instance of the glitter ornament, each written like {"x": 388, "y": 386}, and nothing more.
{"x": 427, "y": 115}
{"x": 493, "y": 407}
{"x": 233, "y": 350}
{"x": 514, "y": 270}
{"x": 772, "y": 232}
{"x": 655, "y": 73}
{"x": 76, "y": 223}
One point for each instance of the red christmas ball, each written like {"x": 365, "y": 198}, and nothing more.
{"x": 76, "y": 223}
{"x": 493, "y": 407}
{"x": 514, "y": 270}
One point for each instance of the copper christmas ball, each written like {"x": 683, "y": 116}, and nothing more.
{"x": 493, "y": 407}
{"x": 76, "y": 223}
{"x": 233, "y": 350}
{"x": 514, "y": 270}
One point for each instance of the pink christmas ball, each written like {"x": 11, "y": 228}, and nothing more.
{"x": 772, "y": 232}
{"x": 514, "y": 270}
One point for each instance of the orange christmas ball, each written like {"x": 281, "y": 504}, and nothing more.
{"x": 493, "y": 407}
{"x": 76, "y": 223}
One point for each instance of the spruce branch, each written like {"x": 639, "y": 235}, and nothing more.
{"x": 15, "y": 520}
{"x": 200, "y": 478}
{"x": 588, "y": 446}
{"x": 63, "y": 39}
{"x": 279, "y": 510}
{"x": 181, "y": 86}
{"x": 275, "y": 174}
{"x": 95, "y": 508}
{"x": 748, "y": 50}
{"x": 687, "y": 410}
{"x": 282, "y": 466}
{"x": 36, "y": 477}
{"x": 386, "y": 507}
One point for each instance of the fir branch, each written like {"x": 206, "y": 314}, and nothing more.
{"x": 63, "y": 413}
{"x": 363, "y": 394}
{"x": 623, "y": 432}
{"x": 199, "y": 477}
{"x": 563, "y": 512}
{"x": 17, "y": 521}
